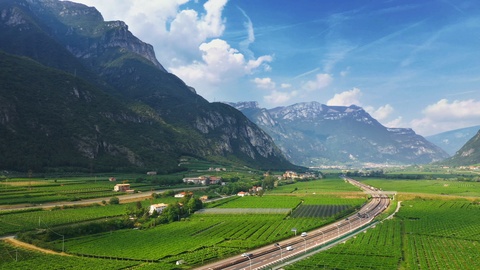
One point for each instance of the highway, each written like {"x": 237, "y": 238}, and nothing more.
{"x": 276, "y": 253}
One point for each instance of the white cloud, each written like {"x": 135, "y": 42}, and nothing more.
{"x": 285, "y": 85}
{"x": 220, "y": 63}
{"x": 279, "y": 98}
{"x": 244, "y": 44}
{"x": 395, "y": 123}
{"x": 322, "y": 81}
{"x": 264, "y": 83}
{"x": 382, "y": 113}
{"x": 443, "y": 116}
{"x": 345, "y": 72}
{"x": 347, "y": 98}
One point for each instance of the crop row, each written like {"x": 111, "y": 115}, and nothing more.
{"x": 425, "y": 234}
{"x": 375, "y": 249}
{"x": 225, "y": 233}
{"x": 24, "y": 221}
{"x": 17, "y": 258}
{"x": 263, "y": 202}
{"x": 318, "y": 211}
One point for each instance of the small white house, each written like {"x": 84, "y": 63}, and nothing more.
{"x": 157, "y": 208}
{"x": 121, "y": 187}
{"x": 242, "y": 193}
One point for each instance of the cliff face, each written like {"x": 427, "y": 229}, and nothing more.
{"x": 115, "y": 103}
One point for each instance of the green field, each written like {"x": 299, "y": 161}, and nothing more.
{"x": 439, "y": 187}
{"x": 426, "y": 234}
{"x": 435, "y": 228}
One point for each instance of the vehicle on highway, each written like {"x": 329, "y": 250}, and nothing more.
{"x": 289, "y": 248}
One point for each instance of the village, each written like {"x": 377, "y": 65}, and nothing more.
{"x": 208, "y": 180}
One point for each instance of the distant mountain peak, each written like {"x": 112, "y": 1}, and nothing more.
{"x": 313, "y": 134}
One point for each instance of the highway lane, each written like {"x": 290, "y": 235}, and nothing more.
{"x": 273, "y": 254}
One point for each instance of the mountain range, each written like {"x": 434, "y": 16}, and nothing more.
{"x": 469, "y": 154}
{"x": 312, "y": 134}
{"x": 451, "y": 141}
{"x": 79, "y": 93}
{"x": 82, "y": 94}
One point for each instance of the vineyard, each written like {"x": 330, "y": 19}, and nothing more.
{"x": 41, "y": 191}
{"x": 426, "y": 234}
{"x": 17, "y": 258}
{"x": 220, "y": 235}
{"x": 323, "y": 186}
{"x": 439, "y": 187}
{"x": 319, "y": 211}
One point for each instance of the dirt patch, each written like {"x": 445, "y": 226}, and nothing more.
{"x": 15, "y": 242}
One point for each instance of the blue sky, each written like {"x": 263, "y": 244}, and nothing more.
{"x": 410, "y": 63}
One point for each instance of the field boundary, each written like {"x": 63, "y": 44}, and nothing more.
{"x": 217, "y": 211}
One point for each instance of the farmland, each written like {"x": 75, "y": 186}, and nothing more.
{"x": 439, "y": 232}
{"x": 434, "y": 214}
{"x": 196, "y": 239}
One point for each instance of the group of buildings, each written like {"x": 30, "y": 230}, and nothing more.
{"x": 203, "y": 180}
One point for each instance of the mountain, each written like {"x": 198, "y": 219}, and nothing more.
{"x": 451, "y": 141}
{"x": 469, "y": 154}
{"x": 79, "y": 93}
{"x": 314, "y": 134}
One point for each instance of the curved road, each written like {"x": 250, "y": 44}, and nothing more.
{"x": 273, "y": 254}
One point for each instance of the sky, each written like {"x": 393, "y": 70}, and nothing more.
{"x": 409, "y": 63}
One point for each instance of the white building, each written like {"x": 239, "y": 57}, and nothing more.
{"x": 157, "y": 208}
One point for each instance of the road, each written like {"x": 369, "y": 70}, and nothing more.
{"x": 126, "y": 198}
{"x": 267, "y": 256}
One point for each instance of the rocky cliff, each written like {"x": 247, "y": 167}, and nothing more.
{"x": 103, "y": 101}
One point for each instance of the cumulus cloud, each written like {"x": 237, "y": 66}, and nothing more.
{"x": 322, "y": 81}
{"x": 188, "y": 42}
{"x": 382, "y": 113}
{"x": 395, "y": 123}
{"x": 444, "y": 115}
{"x": 220, "y": 62}
{"x": 279, "y": 98}
{"x": 347, "y": 98}
{"x": 264, "y": 83}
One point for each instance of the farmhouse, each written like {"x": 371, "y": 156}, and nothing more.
{"x": 157, "y": 208}
{"x": 242, "y": 194}
{"x": 294, "y": 175}
{"x": 183, "y": 194}
{"x": 203, "y": 180}
{"x": 121, "y": 187}
{"x": 255, "y": 189}
{"x": 215, "y": 180}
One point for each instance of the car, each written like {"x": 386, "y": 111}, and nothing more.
{"x": 303, "y": 234}
{"x": 289, "y": 248}
{"x": 247, "y": 254}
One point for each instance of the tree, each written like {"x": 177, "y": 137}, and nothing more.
{"x": 172, "y": 212}
{"x": 194, "y": 204}
{"x": 114, "y": 200}
{"x": 269, "y": 182}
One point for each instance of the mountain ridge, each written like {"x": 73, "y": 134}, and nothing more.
{"x": 312, "y": 134}
{"x": 146, "y": 118}
{"x": 451, "y": 141}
